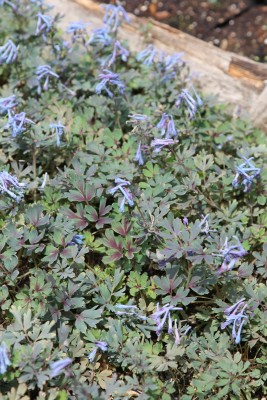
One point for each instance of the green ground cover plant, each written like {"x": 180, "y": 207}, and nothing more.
{"x": 133, "y": 222}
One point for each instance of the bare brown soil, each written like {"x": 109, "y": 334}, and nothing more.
{"x": 239, "y": 26}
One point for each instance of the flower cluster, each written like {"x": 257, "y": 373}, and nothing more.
{"x": 230, "y": 254}
{"x": 16, "y": 123}
{"x": 235, "y": 315}
{"x": 78, "y": 30}
{"x": 8, "y": 52}
{"x": 148, "y": 55}
{"x": 118, "y": 51}
{"x": 192, "y": 103}
{"x": 127, "y": 195}
{"x": 100, "y": 36}
{"x": 161, "y": 315}
{"x": 245, "y": 173}
{"x": 44, "y": 24}
{"x": 44, "y": 72}
{"x": 109, "y": 78}
{"x": 114, "y": 16}
{"x": 8, "y": 182}
{"x": 7, "y": 103}
{"x": 127, "y": 309}
{"x": 166, "y": 126}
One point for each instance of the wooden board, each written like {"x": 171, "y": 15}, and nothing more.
{"x": 236, "y": 80}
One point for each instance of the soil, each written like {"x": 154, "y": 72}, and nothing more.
{"x": 239, "y": 26}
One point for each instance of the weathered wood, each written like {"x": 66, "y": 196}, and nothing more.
{"x": 236, "y": 80}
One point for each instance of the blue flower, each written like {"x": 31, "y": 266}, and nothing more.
{"x": 137, "y": 118}
{"x": 129, "y": 310}
{"x": 8, "y": 3}
{"x": 114, "y": 16}
{"x": 177, "y": 334}
{"x": 109, "y": 78}
{"x": 230, "y": 254}
{"x": 159, "y": 144}
{"x": 138, "y": 156}
{"x": 44, "y": 72}
{"x": 118, "y": 51}
{"x": 58, "y": 366}
{"x": 191, "y": 102}
{"x": 7, "y": 103}
{"x": 78, "y": 30}
{"x": 44, "y": 24}
{"x": 4, "y": 360}
{"x": 100, "y": 36}
{"x": 235, "y": 315}
{"x": 127, "y": 195}
{"x": 59, "y": 128}
{"x": 8, "y": 52}
{"x": 148, "y": 55}
{"x": 99, "y": 345}
{"x": 8, "y": 182}
{"x": 161, "y": 315}
{"x": 77, "y": 239}
{"x": 245, "y": 173}
{"x": 166, "y": 126}
{"x": 16, "y": 123}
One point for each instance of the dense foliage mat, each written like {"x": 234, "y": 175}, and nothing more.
{"x": 133, "y": 224}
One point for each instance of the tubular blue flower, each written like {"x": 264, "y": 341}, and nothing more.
{"x": 44, "y": 24}
{"x": 235, "y": 315}
{"x": 109, "y": 78}
{"x": 100, "y": 36}
{"x": 101, "y": 345}
{"x": 245, "y": 173}
{"x": 177, "y": 333}
{"x": 8, "y": 52}
{"x": 160, "y": 316}
{"x": 8, "y": 3}
{"x": 187, "y": 98}
{"x": 127, "y": 195}
{"x": 44, "y": 181}
{"x": 114, "y": 16}
{"x": 171, "y": 61}
{"x": 78, "y": 30}
{"x": 159, "y": 144}
{"x": 4, "y": 359}
{"x": 138, "y": 156}
{"x": 230, "y": 254}
{"x": 44, "y": 72}
{"x": 166, "y": 126}
{"x": 148, "y": 55}
{"x": 57, "y": 367}
{"x": 98, "y": 345}
{"x": 185, "y": 221}
{"x": 77, "y": 239}
{"x": 91, "y": 356}
{"x": 204, "y": 225}
{"x": 59, "y": 129}
{"x": 7, "y": 103}
{"x": 16, "y": 123}
{"x": 137, "y": 118}
{"x": 118, "y": 51}
{"x": 129, "y": 310}
{"x": 8, "y": 182}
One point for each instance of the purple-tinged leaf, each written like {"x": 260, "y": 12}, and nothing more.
{"x": 79, "y": 219}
